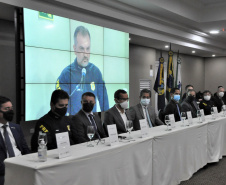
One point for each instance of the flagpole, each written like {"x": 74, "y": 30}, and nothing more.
{"x": 177, "y": 70}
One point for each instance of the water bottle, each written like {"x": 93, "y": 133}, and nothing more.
{"x": 42, "y": 151}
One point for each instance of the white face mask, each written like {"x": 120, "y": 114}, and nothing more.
{"x": 144, "y": 101}
{"x": 207, "y": 98}
{"x": 124, "y": 104}
{"x": 221, "y": 94}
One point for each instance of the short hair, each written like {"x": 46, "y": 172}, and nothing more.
{"x": 145, "y": 91}
{"x": 173, "y": 90}
{"x": 118, "y": 92}
{"x": 58, "y": 94}
{"x": 186, "y": 87}
{"x": 88, "y": 94}
{"x": 220, "y": 87}
{"x": 206, "y": 91}
{"x": 83, "y": 31}
{"x": 189, "y": 91}
{"x": 3, "y": 100}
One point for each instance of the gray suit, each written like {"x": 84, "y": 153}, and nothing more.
{"x": 136, "y": 113}
{"x": 79, "y": 127}
{"x": 112, "y": 116}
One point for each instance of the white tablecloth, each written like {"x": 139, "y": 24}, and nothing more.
{"x": 127, "y": 163}
{"x": 165, "y": 157}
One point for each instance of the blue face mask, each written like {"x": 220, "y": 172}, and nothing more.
{"x": 176, "y": 97}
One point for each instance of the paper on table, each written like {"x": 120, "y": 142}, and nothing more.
{"x": 172, "y": 120}
{"x": 189, "y": 117}
{"x": 63, "y": 144}
{"x": 203, "y": 115}
{"x": 113, "y": 134}
{"x": 143, "y": 128}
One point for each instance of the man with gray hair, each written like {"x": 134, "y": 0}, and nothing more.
{"x": 219, "y": 98}
{"x": 82, "y": 76}
{"x": 190, "y": 104}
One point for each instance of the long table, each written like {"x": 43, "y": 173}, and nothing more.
{"x": 162, "y": 158}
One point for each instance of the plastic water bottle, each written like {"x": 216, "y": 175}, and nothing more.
{"x": 42, "y": 151}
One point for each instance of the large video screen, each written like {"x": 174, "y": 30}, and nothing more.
{"x": 78, "y": 57}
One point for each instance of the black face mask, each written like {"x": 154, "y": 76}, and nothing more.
{"x": 191, "y": 98}
{"x": 8, "y": 115}
{"x": 87, "y": 107}
{"x": 61, "y": 111}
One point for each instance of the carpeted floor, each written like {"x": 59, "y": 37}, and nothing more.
{"x": 213, "y": 174}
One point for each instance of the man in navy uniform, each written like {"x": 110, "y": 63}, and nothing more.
{"x": 12, "y": 142}
{"x": 82, "y": 76}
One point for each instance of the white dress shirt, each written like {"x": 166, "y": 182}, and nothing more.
{"x": 12, "y": 140}
{"x": 123, "y": 115}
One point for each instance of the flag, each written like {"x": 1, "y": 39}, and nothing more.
{"x": 159, "y": 84}
{"x": 178, "y": 75}
{"x": 170, "y": 75}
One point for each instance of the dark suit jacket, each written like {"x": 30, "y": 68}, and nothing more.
{"x": 136, "y": 113}
{"x": 171, "y": 108}
{"x": 79, "y": 127}
{"x": 112, "y": 116}
{"x": 20, "y": 142}
{"x": 218, "y": 101}
{"x": 187, "y": 106}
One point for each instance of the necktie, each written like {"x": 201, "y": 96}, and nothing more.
{"x": 222, "y": 101}
{"x": 178, "y": 111}
{"x": 94, "y": 125}
{"x": 8, "y": 143}
{"x": 148, "y": 118}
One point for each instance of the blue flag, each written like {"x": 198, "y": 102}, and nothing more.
{"x": 170, "y": 75}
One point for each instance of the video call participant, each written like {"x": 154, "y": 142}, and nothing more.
{"x": 189, "y": 104}
{"x": 118, "y": 114}
{"x": 206, "y": 103}
{"x": 173, "y": 107}
{"x": 82, "y": 76}
{"x": 84, "y": 118}
{"x": 188, "y": 87}
{"x": 12, "y": 142}
{"x": 54, "y": 121}
{"x": 219, "y": 98}
{"x": 144, "y": 110}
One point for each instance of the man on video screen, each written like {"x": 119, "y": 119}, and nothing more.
{"x": 82, "y": 76}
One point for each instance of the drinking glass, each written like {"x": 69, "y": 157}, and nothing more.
{"x": 199, "y": 115}
{"x": 223, "y": 110}
{"x": 42, "y": 137}
{"x": 183, "y": 117}
{"x": 167, "y": 121}
{"x": 90, "y": 134}
{"x": 212, "y": 113}
{"x": 129, "y": 128}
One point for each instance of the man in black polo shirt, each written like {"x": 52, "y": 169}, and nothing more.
{"x": 54, "y": 121}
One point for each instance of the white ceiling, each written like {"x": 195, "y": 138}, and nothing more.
{"x": 184, "y": 23}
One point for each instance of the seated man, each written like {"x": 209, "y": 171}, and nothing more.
{"x": 206, "y": 103}
{"x": 189, "y": 104}
{"x": 54, "y": 121}
{"x": 173, "y": 107}
{"x": 86, "y": 117}
{"x": 118, "y": 114}
{"x": 143, "y": 110}
{"x": 12, "y": 142}
{"x": 188, "y": 87}
{"x": 219, "y": 98}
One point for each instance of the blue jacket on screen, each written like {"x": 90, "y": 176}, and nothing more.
{"x": 69, "y": 81}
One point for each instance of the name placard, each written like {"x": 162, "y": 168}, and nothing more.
{"x": 113, "y": 134}
{"x": 143, "y": 128}
{"x": 203, "y": 115}
{"x": 215, "y": 112}
{"x": 172, "y": 120}
{"x": 63, "y": 144}
{"x": 189, "y": 117}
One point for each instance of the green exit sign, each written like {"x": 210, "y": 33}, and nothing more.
{"x": 47, "y": 16}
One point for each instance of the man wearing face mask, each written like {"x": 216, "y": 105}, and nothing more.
{"x": 118, "y": 114}
{"x": 173, "y": 107}
{"x": 189, "y": 104}
{"x": 12, "y": 142}
{"x": 143, "y": 110}
{"x": 86, "y": 117}
{"x": 219, "y": 98}
{"x": 206, "y": 103}
{"x": 188, "y": 87}
{"x": 54, "y": 121}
